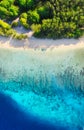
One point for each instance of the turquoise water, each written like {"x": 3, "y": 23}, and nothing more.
{"x": 46, "y": 84}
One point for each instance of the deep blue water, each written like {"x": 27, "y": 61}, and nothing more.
{"x": 13, "y": 118}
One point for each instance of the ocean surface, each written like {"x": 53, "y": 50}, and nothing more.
{"x": 41, "y": 89}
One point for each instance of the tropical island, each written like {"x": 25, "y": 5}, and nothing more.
{"x": 41, "y": 64}
{"x": 46, "y": 18}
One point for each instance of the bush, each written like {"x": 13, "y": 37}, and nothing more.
{"x": 23, "y": 22}
{"x": 5, "y": 4}
{"x": 33, "y": 17}
{"x": 81, "y": 21}
{"x": 4, "y": 25}
{"x": 20, "y": 36}
{"x": 30, "y": 4}
{"x": 23, "y": 15}
{"x": 10, "y": 32}
{"x": 1, "y": 32}
{"x": 14, "y": 24}
{"x": 14, "y": 11}
{"x": 26, "y": 5}
{"x": 14, "y": 34}
{"x": 78, "y": 33}
{"x": 36, "y": 29}
{"x": 45, "y": 12}
{"x": 4, "y": 13}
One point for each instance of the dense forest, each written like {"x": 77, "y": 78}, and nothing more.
{"x": 47, "y": 18}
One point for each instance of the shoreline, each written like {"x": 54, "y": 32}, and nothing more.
{"x": 43, "y": 44}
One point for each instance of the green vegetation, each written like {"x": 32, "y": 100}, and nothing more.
{"x": 23, "y": 20}
{"x": 47, "y": 18}
{"x": 6, "y": 30}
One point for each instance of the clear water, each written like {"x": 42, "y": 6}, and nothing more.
{"x": 41, "y": 90}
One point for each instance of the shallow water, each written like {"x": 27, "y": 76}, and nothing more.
{"x": 46, "y": 87}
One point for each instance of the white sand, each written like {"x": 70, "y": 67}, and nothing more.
{"x": 34, "y": 43}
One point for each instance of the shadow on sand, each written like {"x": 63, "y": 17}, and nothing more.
{"x": 35, "y": 43}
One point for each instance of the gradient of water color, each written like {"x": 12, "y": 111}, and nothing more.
{"x": 41, "y": 89}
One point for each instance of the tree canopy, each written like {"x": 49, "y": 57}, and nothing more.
{"x": 47, "y": 18}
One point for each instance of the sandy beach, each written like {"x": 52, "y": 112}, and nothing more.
{"x": 43, "y": 44}
{"x": 41, "y": 65}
